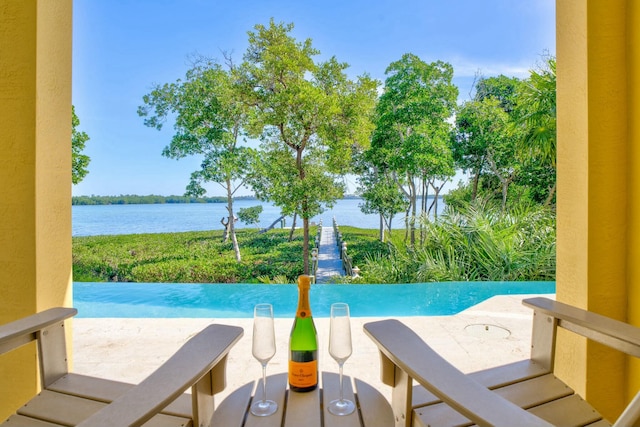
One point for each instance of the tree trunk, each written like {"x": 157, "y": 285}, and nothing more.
{"x": 225, "y": 236}
{"x": 408, "y": 196}
{"x": 381, "y": 227}
{"x": 305, "y": 244}
{"x": 412, "y": 219}
{"x": 436, "y": 197}
{"x": 552, "y": 192}
{"x": 476, "y": 180}
{"x": 388, "y": 225}
{"x": 424, "y": 214}
{"x": 232, "y": 220}
{"x": 504, "y": 181}
{"x": 505, "y": 190}
{"x": 273, "y": 224}
{"x": 293, "y": 226}
{"x": 406, "y": 221}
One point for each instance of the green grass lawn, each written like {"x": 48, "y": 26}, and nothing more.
{"x": 202, "y": 256}
{"x": 191, "y": 257}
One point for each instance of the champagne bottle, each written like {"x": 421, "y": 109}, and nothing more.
{"x": 303, "y": 343}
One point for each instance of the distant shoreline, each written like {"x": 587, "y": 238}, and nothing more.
{"x": 148, "y": 200}
{"x": 132, "y": 199}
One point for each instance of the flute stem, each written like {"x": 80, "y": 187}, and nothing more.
{"x": 341, "y": 388}
{"x": 264, "y": 382}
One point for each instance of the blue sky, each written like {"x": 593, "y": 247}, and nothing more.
{"x": 123, "y": 47}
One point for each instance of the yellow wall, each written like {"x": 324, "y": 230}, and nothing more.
{"x": 596, "y": 209}
{"x": 35, "y": 174}
{"x": 633, "y": 99}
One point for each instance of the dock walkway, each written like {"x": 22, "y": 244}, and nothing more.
{"x": 329, "y": 262}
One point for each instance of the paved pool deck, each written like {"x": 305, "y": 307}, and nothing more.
{"x": 492, "y": 333}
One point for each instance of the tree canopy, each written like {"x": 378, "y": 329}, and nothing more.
{"x": 412, "y": 135}
{"x": 310, "y": 118}
{"x": 210, "y": 118}
{"x": 79, "y": 161}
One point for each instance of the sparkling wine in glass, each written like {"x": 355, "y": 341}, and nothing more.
{"x": 263, "y": 348}
{"x": 340, "y": 350}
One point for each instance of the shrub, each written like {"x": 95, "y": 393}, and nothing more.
{"x": 474, "y": 242}
{"x": 187, "y": 257}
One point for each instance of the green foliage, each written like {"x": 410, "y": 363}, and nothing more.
{"x": 539, "y": 180}
{"x": 502, "y": 88}
{"x": 411, "y": 143}
{"x": 474, "y": 243}
{"x": 362, "y": 243}
{"x": 310, "y": 118}
{"x": 276, "y": 280}
{"x": 79, "y": 161}
{"x": 537, "y": 116}
{"x": 412, "y": 131}
{"x": 250, "y": 215}
{"x": 210, "y": 118}
{"x": 486, "y": 142}
{"x": 506, "y": 138}
{"x": 186, "y": 257}
{"x": 538, "y": 113}
{"x": 381, "y": 196}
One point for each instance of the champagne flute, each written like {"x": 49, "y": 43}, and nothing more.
{"x": 263, "y": 349}
{"x": 340, "y": 350}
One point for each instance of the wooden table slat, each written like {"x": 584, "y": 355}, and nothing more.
{"x": 331, "y": 391}
{"x": 227, "y": 413}
{"x": 374, "y": 407}
{"x": 305, "y": 409}
{"x": 276, "y": 391}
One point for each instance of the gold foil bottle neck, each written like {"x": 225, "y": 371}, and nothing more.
{"x": 304, "y": 281}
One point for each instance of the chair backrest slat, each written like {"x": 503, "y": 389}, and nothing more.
{"x": 613, "y": 333}
{"x": 22, "y": 331}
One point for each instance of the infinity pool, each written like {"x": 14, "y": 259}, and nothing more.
{"x": 238, "y": 300}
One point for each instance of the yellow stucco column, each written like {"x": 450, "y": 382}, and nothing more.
{"x": 596, "y": 203}
{"x": 35, "y": 175}
{"x": 633, "y": 94}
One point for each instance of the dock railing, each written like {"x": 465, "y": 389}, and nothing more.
{"x": 314, "y": 253}
{"x": 347, "y": 262}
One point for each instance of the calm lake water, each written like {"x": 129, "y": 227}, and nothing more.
{"x": 176, "y": 217}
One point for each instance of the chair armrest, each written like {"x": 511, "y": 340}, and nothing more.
{"x": 202, "y": 357}
{"x": 408, "y": 352}
{"x": 605, "y": 330}
{"x": 22, "y": 331}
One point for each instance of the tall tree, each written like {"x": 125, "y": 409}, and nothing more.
{"x": 210, "y": 115}
{"x": 412, "y": 135}
{"x": 488, "y": 141}
{"x": 471, "y": 145}
{"x": 79, "y": 161}
{"x": 310, "y": 118}
{"x": 537, "y": 114}
{"x": 381, "y": 196}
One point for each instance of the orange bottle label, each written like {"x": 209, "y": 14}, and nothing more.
{"x": 303, "y": 374}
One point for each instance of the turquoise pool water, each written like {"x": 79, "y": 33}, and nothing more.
{"x": 238, "y": 300}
